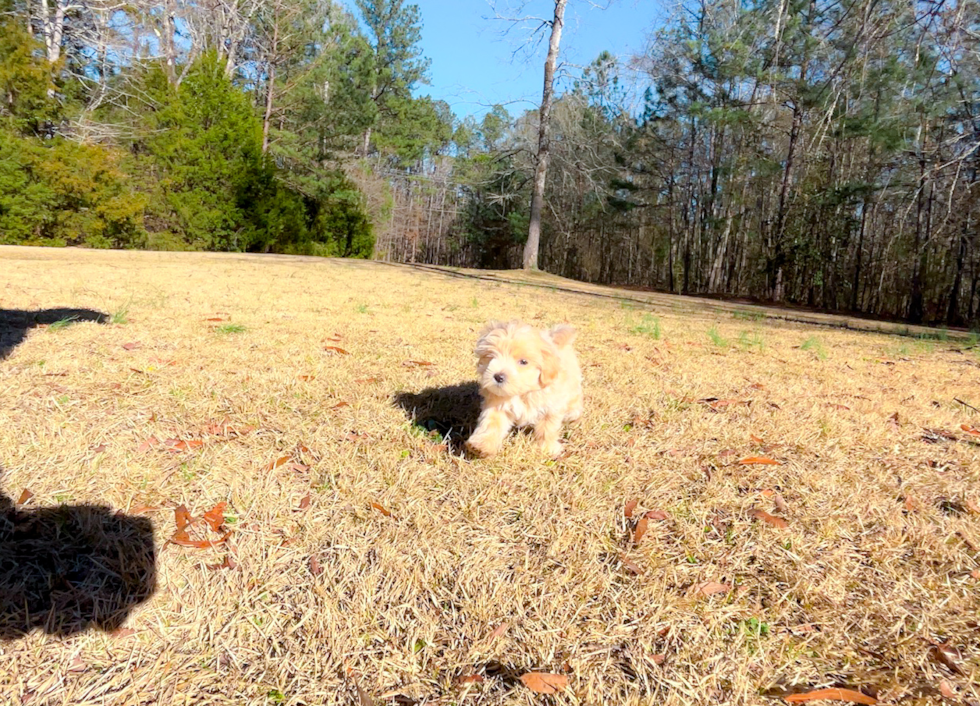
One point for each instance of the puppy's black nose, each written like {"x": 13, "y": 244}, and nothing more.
{"x": 499, "y": 377}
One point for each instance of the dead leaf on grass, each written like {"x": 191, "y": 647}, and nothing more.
{"x": 336, "y": 337}
{"x": 756, "y": 439}
{"x": 630, "y": 507}
{"x": 657, "y": 515}
{"x": 178, "y": 445}
{"x": 278, "y": 462}
{"x": 305, "y": 502}
{"x": 77, "y": 665}
{"x": 893, "y": 421}
{"x": 710, "y": 588}
{"x": 132, "y": 346}
{"x": 972, "y": 431}
{"x": 226, "y": 563}
{"x": 215, "y": 517}
{"x": 833, "y": 695}
{"x": 367, "y": 380}
{"x": 947, "y": 690}
{"x": 780, "y": 504}
{"x": 417, "y": 364}
{"x": 544, "y": 683}
{"x": 630, "y": 566}
{"x": 335, "y": 350}
{"x": 769, "y": 519}
{"x": 498, "y": 631}
{"x": 640, "y": 530}
{"x": 382, "y": 509}
{"x": 340, "y": 404}
{"x": 947, "y": 655}
{"x": 25, "y": 496}
{"x": 659, "y": 658}
{"x": 150, "y": 443}
{"x": 306, "y": 378}
{"x": 756, "y": 460}
{"x": 123, "y": 632}
{"x": 470, "y": 679}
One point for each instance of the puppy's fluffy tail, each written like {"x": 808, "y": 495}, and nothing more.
{"x": 563, "y": 335}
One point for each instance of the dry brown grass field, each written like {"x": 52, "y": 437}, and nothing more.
{"x": 359, "y": 558}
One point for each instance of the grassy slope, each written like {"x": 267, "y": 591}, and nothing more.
{"x": 875, "y": 563}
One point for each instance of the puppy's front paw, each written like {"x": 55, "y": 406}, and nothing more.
{"x": 481, "y": 445}
{"x": 552, "y": 449}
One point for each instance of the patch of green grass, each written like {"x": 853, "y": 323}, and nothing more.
{"x": 121, "y": 315}
{"x": 229, "y": 329}
{"x": 747, "y": 340}
{"x": 276, "y": 696}
{"x": 717, "y": 338}
{"x": 939, "y": 335}
{"x": 748, "y": 315}
{"x": 814, "y": 345}
{"x": 649, "y": 326}
{"x": 475, "y": 303}
{"x": 628, "y": 306}
{"x": 361, "y": 308}
{"x": 62, "y": 323}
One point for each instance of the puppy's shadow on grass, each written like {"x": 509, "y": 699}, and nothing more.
{"x": 15, "y": 323}
{"x": 70, "y": 568}
{"x": 451, "y": 411}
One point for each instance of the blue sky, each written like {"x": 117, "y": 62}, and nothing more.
{"x": 473, "y": 62}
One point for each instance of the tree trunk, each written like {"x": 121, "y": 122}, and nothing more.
{"x": 270, "y": 90}
{"x": 544, "y": 118}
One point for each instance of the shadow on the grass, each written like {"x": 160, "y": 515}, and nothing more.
{"x": 15, "y": 323}
{"x": 452, "y": 411}
{"x": 70, "y": 568}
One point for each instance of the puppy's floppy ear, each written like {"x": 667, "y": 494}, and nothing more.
{"x": 550, "y": 364}
{"x": 488, "y": 337}
{"x": 563, "y": 335}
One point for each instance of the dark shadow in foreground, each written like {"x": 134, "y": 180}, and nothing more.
{"x": 452, "y": 411}
{"x": 15, "y": 323}
{"x": 71, "y": 568}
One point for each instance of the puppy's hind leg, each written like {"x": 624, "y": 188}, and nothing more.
{"x": 574, "y": 410}
{"x": 490, "y": 433}
{"x": 546, "y": 435}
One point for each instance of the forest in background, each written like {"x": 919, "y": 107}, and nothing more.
{"x": 822, "y": 153}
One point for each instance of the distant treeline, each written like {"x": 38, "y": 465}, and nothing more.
{"x": 814, "y": 152}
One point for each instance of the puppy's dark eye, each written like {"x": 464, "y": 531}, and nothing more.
{"x": 523, "y": 361}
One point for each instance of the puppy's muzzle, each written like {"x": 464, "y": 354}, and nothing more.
{"x": 499, "y": 378}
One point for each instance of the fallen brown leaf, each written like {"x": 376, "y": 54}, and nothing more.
{"x": 278, "y": 462}
{"x": 946, "y": 655}
{"x": 544, "y": 683}
{"x": 315, "y": 567}
{"x": 25, "y": 496}
{"x": 335, "y": 349}
{"x": 417, "y": 364}
{"x": 973, "y": 431}
{"x": 305, "y": 502}
{"x": 631, "y": 567}
{"x": 947, "y": 690}
{"x": 77, "y": 665}
{"x": 215, "y": 517}
{"x": 659, "y": 659}
{"x": 769, "y": 519}
{"x": 382, "y": 509}
{"x": 630, "y": 507}
{"x": 763, "y": 460}
{"x": 498, "y": 631}
{"x": 470, "y": 679}
{"x": 366, "y": 380}
{"x": 150, "y": 443}
{"x": 657, "y": 515}
{"x": 893, "y": 421}
{"x": 641, "y": 529}
{"x": 306, "y": 378}
{"x": 780, "y": 503}
{"x": 123, "y": 632}
{"x": 340, "y": 404}
{"x": 756, "y": 439}
{"x": 226, "y": 563}
{"x": 710, "y": 588}
{"x": 132, "y": 346}
{"x": 833, "y": 695}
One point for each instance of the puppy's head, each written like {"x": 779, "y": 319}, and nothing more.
{"x": 514, "y": 359}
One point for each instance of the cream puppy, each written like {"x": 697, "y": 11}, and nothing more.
{"x": 527, "y": 377}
